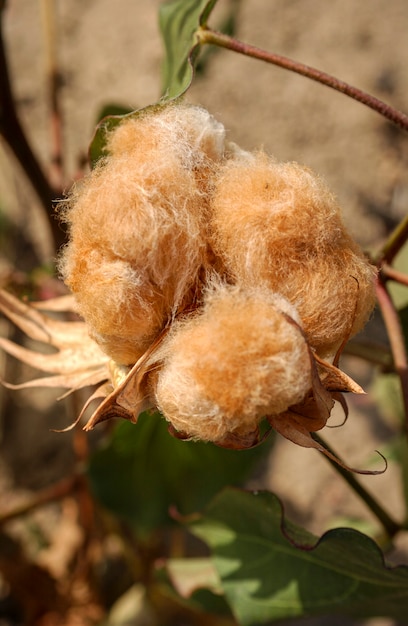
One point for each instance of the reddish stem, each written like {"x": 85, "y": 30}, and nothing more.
{"x": 50, "y": 494}
{"x": 205, "y": 35}
{"x": 396, "y": 337}
{"x": 390, "y": 273}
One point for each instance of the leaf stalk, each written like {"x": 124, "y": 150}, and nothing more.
{"x": 207, "y": 36}
{"x": 394, "y": 243}
{"x": 396, "y": 337}
{"x": 389, "y": 524}
{"x": 389, "y": 273}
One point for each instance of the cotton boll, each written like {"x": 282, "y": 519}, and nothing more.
{"x": 277, "y": 224}
{"x": 137, "y": 225}
{"x": 334, "y": 295}
{"x": 238, "y": 359}
{"x": 134, "y": 253}
{"x": 123, "y": 311}
{"x": 274, "y": 205}
{"x": 190, "y": 130}
{"x": 200, "y": 129}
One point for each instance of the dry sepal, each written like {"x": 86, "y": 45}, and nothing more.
{"x": 219, "y": 285}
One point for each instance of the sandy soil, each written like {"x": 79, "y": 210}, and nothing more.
{"x": 110, "y": 52}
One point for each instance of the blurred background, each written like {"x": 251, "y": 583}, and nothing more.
{"x": 110, "y": 53}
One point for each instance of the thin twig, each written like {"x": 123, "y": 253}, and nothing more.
{"x": 394, "y": 243}
{"x": 389, "y": 524}
{"x": 396, "y": 337}
{"x": 56, "y": 492}
{"x": 53, "y": 79}
{"x": 208, "y": 36}
{"x": 14, "y": 135}
{"x": 389, "y": 273}
{"x": 371, "y": 352}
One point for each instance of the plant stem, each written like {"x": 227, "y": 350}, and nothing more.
{"x": 13, "y": 133}
{"x": 53, "y": 79}
{"x": 375, "y": 353}
{"x": 50, "y": 494}
{"x": 396, "y": 337}
{"x": 389, "y": 273}
{"x": 208, "y": 36}
{"x": 390, "y": 525}
{"x": 395, "y": 242}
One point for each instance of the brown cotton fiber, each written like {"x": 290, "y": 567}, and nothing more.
{"x": 137, "y": 227}
{"x": 277, "y": 225}
{"x": 191, "y": 130}
{"x": 239, "y": 358}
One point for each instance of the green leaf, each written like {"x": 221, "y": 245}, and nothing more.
{"x": 179, "y": 21}
{"x": 188, "y": 575}
{"x": 143, "y": 471}
{"x": 109, "y": 116}
{"x": 271, "y": 570}
{"x": 192, "y": 583}
{"x": 112, "y": 109}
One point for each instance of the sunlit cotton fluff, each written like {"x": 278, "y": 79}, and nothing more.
{"x": 191, "y": 130}
{"x": 137, "y": 227}
{"x": 241, "y": 357}
{"x": 277, "y": 225}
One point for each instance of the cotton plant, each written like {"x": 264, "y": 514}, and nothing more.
{"x": 219, "y": 285}
{"x": 213, "y": 291}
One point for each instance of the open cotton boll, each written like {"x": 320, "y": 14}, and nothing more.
{"x": 236, "y": 360}
{"x": 334, "y": 295}
{"x": 124, "y": 312}
{"x": 274, "y": 205}
{"x": 137, "y": 227}
{"x": 278, "y": 225}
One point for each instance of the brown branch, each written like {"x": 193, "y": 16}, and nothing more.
{"x": 394, "y": 243}
{"x": 54, "y": 83}
{"x": 389, "y": 273}
{"x": 396, "y": 337}
{"x": 14, "y": 135}
{"x": 50, "y": 494}
{"x": 208, "y": 36}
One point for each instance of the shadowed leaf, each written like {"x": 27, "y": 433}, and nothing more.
{"x": 270, "y": 569}
{"x": 142, "y": 472}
